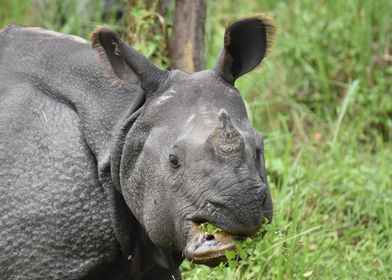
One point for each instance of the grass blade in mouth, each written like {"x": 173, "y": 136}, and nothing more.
{"x": 210, "y": 228}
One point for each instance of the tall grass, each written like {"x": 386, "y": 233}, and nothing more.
{"x": 70, "y": 16}
{"x": 323, "y": 102}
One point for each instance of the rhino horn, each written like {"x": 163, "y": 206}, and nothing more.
{"x": 225, "y": 139}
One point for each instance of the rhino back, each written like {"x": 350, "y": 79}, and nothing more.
{"x": 68, "y": 69}
{"x": 54, "y": 216}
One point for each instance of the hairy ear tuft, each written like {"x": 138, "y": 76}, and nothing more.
{"x": 102, "y": 34}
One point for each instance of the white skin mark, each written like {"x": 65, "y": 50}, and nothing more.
{"x": 190, "y": 119}
{"x": 201, "y": 121}
{"x": 163, "y": 99}
{"x": 207, "y": 115}
{"x": 46, "y": 119}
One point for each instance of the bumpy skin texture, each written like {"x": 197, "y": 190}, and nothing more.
{"x": 59, "y": 110}
{"x": 108, "y": 162}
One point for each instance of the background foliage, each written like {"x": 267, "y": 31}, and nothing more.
{"x": 323, "y": 102}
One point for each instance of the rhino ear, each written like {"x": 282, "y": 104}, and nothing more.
{"x": 245, "y": 45}
{"x": 127, "y": 63}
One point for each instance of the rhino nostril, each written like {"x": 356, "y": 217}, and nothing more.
{"x": 209, "y": 236}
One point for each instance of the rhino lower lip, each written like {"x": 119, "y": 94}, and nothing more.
{"x": 205, "y": 248}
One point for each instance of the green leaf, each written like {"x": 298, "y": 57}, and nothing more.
{"x": 230, "y": 255}
{"x": 232, "y": 264}
{"x": 210, "y": 228}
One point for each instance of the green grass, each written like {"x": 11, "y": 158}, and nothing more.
{"x": 69, "y": 16}
{"x": 323, "y": 102}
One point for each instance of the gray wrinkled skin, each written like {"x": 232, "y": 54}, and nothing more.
{"x": 100, "y": 174}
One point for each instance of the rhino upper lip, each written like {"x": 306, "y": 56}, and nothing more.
{"x": 206, "y": 248}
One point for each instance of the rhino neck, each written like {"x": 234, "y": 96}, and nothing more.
{"x": 104, "y": 104}
{"x": 106, "y": 109}
{"x": 143, "y": 259}
{"x": 116, "y": 151}
{"x": 151, "y": 262}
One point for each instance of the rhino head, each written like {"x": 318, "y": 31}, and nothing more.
{"x": 189, "y": 154}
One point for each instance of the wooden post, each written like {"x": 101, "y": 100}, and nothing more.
{"x": 187, "y": 42}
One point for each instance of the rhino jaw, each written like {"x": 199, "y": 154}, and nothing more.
{"x": 208, "y": 249}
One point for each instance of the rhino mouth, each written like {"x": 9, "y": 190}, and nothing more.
{"x": 206, "y": 248}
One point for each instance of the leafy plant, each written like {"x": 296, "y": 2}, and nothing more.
{"x": 147, "y": 26}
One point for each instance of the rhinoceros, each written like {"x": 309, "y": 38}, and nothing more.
{"x": 109, "y": 164}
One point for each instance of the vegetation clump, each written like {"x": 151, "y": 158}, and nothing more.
{"x": 210, "y": 228}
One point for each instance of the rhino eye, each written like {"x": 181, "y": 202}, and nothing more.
{"x": 174, "y": 161}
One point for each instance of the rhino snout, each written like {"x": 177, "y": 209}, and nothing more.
{"x": 240, "y": 214}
